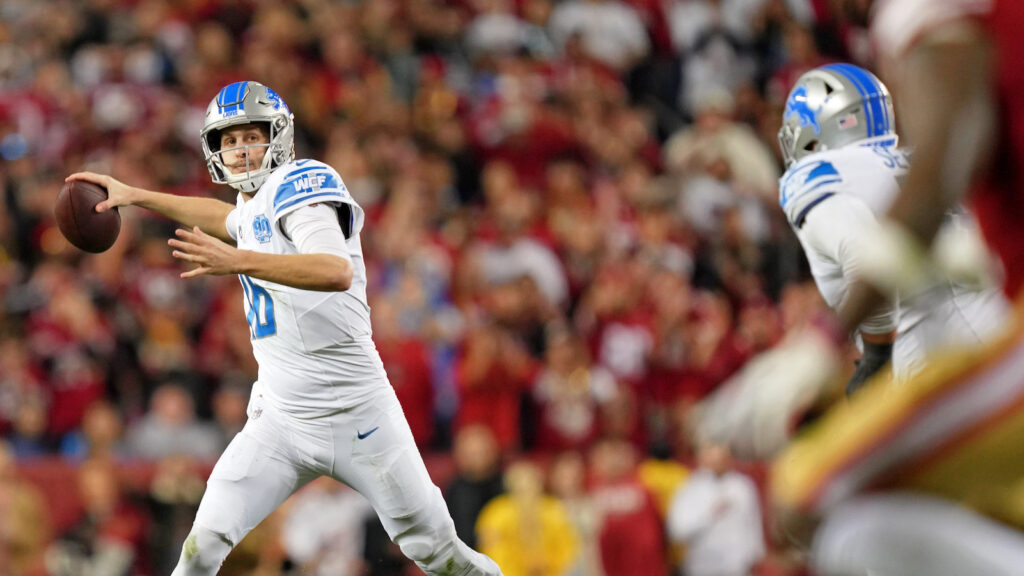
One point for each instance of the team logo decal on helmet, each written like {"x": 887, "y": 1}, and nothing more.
{"x": 797, "y": 104}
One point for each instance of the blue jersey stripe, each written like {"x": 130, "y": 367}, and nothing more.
{"x": 809, "y": 173}
{"x": 785, "y": 198}
{"x": 326, "y": 180}
{"x": 822, "y": 184}
{"x": 886, "y": 143}
{"x": 251, "y": 312}
{"x": 822, "y": 169}
{"x": 332, "y": 195}
{"x": 295, "y": 173}
{"x": 802, "y": 216}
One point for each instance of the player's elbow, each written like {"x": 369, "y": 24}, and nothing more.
{"x": 339, "y": 275}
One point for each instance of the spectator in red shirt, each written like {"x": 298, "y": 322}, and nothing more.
{"x": 569, "y": 392}
{"x": 611, "y": 315}
{"x": 492, "y": 373}
{"x": 632, "y": 539}
{"x": 407, "y": 361}
{"x": 110, "y": 535}
{"x": 67, "y": 334}
{"x": 513, "y": 124}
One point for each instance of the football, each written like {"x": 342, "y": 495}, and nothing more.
{"x": 78, "y": 220}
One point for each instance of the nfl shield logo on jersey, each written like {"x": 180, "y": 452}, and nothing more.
{"x": 261, "y": 227}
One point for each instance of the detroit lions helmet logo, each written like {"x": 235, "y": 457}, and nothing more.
{"x": 797, "y": 104}
{"x": 261, "y": 228}
{"x": 275, "y": 100}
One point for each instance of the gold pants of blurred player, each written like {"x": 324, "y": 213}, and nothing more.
{"x": 954, "y": 431}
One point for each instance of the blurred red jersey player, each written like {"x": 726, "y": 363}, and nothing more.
{"x": 961, "y": 60}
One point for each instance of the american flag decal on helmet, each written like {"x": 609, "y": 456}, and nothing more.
{"x": 847, "y": 122}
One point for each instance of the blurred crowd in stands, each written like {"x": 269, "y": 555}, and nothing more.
{"x": 572, "y": 237}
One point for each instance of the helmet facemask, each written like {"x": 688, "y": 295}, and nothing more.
{"x": 789, "y": 136}
{"x": 251, "y": 172}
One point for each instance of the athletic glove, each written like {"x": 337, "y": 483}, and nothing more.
{"x": 875, "y": 357}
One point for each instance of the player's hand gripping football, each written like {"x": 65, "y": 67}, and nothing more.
{"x": 210, "y": 255}
{"x": 118, "y": 193}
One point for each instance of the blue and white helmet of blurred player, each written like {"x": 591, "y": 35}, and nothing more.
{"x": 248, "y": 103}
{"x": 833, "y": 106}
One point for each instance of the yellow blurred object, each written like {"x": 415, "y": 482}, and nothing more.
{"x": 662, "y": 478}
{"x": 527, "y": 538}
{"x": 954, "y": 431}
{"x": 24, "y": 521}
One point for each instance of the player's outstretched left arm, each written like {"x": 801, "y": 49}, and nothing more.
{"x": 206, "y": 213}
{"x": 322, "y": 272}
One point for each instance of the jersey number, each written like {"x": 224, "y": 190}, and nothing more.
{"x": 894, "y": 159}
{"x": 259, "y": 309}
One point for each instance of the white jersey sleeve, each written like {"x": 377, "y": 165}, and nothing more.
{"x": 805, "y": 185}
{"x": 314, "y": 229}
{"x": 898, "y": 24}
{"x": 832, "y": 232}
{"x": 231, "y": 223}
{"x": 310, "y": 182}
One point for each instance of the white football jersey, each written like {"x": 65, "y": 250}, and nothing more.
{"x": 314, "y": 349}
{"x": 869, "y": 174}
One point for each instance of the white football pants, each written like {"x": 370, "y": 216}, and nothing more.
{"x": 906, "y": 534}
{"x": 369, "y": 447}
{"x": 962, "y": 318}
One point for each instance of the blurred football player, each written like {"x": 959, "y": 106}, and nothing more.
{"x": 844, "y": 168}
{"x": 945, "y": 446}
{"x": 322, "y": 405}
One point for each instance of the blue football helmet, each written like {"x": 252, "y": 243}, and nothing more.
{"x": 833, "y": 106}
{"x": 248, "y": 103}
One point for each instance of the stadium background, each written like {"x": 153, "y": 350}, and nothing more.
{"x": 572, "y": 237}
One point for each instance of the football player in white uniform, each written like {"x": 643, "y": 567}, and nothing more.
{"x": 940, "y": 436}
{"x": 322, "y": 405}
{"x": 844, "y": 170}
